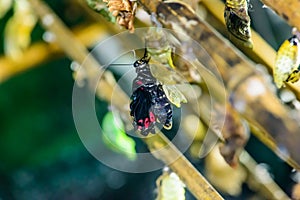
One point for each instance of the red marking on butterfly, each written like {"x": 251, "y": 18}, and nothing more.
{"x": 152, "y": 117}
{"x": 146, "y": 123}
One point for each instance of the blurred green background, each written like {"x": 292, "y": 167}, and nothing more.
{"x": 41, "y": 155}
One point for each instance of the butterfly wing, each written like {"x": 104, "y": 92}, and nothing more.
{"x": 141, "y": 109}
{"x": 162, "y": 108}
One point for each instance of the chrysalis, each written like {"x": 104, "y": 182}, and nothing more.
{"x": 162, "y": 66}
{"x": 169, "y": 80}
{"x": 174, "y": 95}
{"x": 287, "y": 62}
{"x": 170, "y": 187}
{"x": 238, "y": 21}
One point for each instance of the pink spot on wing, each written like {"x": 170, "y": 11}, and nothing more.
{"x": 146, "y": 123}
{"x": 139, "y": 82}
{"x": 152, "y": 117}
{"x": 140, "y": 121}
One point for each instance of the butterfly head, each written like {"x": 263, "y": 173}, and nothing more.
{"x": 143, "y": 61}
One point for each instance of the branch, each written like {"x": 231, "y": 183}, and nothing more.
{"x": 262, "y": 179}
{"x": 41, "y": 52}
{"x": 72, "y": 47}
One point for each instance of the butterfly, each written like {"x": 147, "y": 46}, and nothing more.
{"x": 287, "y": 62}
{"x": 149, "y": 104}
{"x": 238, "y": 21}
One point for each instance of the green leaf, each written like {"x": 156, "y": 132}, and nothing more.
{"x": 115, "y": 138}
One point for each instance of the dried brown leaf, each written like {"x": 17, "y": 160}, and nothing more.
{"x": 124, "y": 10}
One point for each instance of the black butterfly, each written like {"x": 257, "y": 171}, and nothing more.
{"x": 149, "y": 103}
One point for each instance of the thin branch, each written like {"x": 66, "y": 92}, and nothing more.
{"x": 262, "y": 179}
{"x": 72, "y": 47}
{"x": 42, "y": 52}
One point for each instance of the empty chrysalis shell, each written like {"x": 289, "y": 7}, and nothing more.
{"x": 287, "y": 62}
